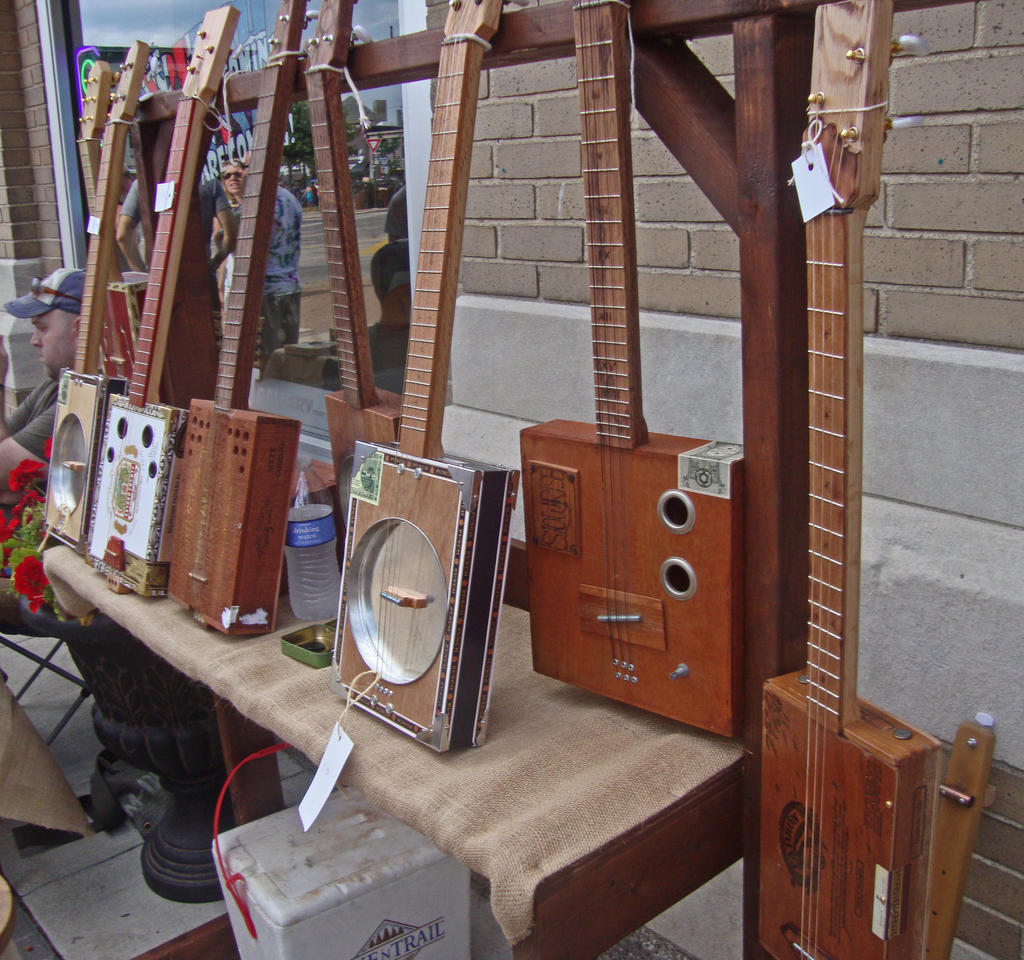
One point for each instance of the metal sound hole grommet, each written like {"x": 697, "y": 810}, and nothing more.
{"x": 398, "y": 600}
{"x": 678, "y": 578}
{"x": 676, "y": 511}
{"x": 69, "y": 461}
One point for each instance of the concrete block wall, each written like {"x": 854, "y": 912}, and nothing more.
{"x": 943, "y": 545}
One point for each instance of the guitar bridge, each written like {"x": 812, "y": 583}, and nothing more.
{"x": 620, "y": 616}
{"x": 887, "y": 914}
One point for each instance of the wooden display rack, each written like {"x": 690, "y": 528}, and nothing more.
{"x": 738, "y": 150}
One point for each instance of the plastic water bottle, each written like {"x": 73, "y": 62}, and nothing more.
{"x": 314, "y": 581}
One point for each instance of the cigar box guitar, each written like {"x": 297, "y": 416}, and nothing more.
{"x": 237, "y": 463}
{"x": 83, "y": 394}
{"x": 95, "y": 107}
{"x": 126, "y": 300}
{"x": 358, "y": 411}
{"x": 848, "y": 791}
{"x": 633, "y": 539}
{"x": 131, "y": 529}
{"x": 427, "y": 535}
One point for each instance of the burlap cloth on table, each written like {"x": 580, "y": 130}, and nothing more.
{"x": 562, "y": 772}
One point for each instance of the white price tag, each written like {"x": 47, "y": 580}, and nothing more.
{"x": 164, "y": 196}
{"x": 813, "y": 187}
{"x": 339, "y": 746}
{"x": 93, "y": 226}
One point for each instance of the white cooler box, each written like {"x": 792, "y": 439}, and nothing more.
{"x": 359, "y": 885}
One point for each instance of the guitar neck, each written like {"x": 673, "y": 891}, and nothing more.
{"x": 252, "y": 247}
{"x": 101, "y": 262}
{"x": 89, "y": 156}
{"x": 603, "y": 71}
{"x": 344, "y": 272}
{"x": 151, "y": 345}
{"x": 437, "y": 273}
{"x": 835, "y": 377}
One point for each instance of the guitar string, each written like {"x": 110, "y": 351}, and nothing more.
{"x": 828, "y": 391}
{"x": 589, "y": 73}
{"x": 603, "y": 182}
{"x": 617, "y": 26}
{"x": 809, "y": 766}
{"x": 838, "y": 387}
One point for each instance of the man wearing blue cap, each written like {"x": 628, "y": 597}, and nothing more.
{"x": 53, "y": 306}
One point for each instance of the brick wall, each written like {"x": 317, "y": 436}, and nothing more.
{"x": 944, "y": 258}
{"x": 28, "y": 208}
{"x": 945, "y": 245}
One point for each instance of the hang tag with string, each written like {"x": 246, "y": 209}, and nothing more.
{"x": 813, "y": 186}
{"x": 339, "y": 746}
{"x": 164, "y": 196}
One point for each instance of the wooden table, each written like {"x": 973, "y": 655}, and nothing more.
{"x": 588, "y": 817}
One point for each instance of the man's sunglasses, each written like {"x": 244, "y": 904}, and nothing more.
{"x": 39, "y": 289}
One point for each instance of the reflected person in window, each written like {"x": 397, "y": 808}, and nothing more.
{"x": 281, "y": 288}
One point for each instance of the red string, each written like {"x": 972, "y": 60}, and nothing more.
{"x": 236, "y": 879}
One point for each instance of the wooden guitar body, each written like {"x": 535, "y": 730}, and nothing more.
{"x": 137, "y": 481}
{"x": 229, "y": 534}
{"x": 667, "y": 565}
{"x": 421, "y": 599}
{"x": 81, "y": 413}
{"x": 874, "y": 794}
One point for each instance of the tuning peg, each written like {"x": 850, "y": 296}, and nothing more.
{"x": 911, "y": 44}
{"x": 360, "y": 34}
{"x": 311, "y": 15}
{"x": 902, "y": 123}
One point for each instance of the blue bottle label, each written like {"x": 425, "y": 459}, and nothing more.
{"x": 310, "y": 533}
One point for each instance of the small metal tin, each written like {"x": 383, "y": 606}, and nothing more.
{"x": 312, "y": 645}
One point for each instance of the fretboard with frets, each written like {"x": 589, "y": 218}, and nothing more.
{"x": 150, "y": 346}
{"x": 242, "y": 310}
{"x": 603, "y": 79}
{"x": 437, "y": 272}
{"x": 835, "y": 373}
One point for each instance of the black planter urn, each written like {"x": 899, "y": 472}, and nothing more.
{"x": 155, "y": 718}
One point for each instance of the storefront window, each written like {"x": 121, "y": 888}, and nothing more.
{"x": 294, "y": 377}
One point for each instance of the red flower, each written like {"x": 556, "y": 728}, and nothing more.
{"x": 28, "y": 498}
{"x": 30, "y": 581}
{"x": 48, "y": 448}
{"x": 26, "y": 473}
